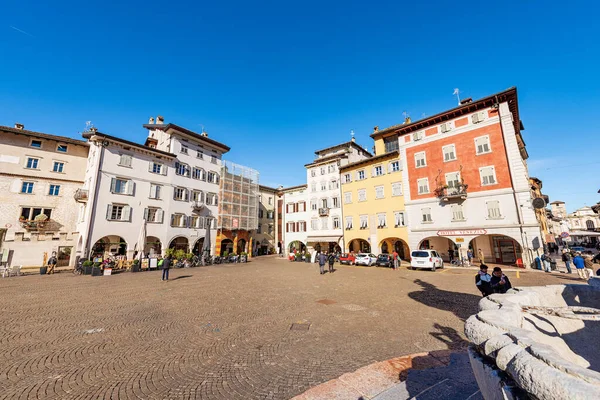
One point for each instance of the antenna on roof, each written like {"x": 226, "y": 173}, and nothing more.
{"x": 457, "y": 94}
{"x": 352, "y": 134}
{"x": 88, "y": 126}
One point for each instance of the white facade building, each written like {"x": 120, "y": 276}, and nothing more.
{"x": 171, "y": 182}
{"x": 39, "y": 175}
{"x": 325, "y": 225}
{"x": 295, "y": 218}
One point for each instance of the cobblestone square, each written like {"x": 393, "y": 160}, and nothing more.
{"x": 223, "y": 332}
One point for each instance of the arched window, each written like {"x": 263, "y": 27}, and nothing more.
{"x": 590, "y": 225}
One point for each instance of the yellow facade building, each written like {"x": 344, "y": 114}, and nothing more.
{"x": 373, "y": 203}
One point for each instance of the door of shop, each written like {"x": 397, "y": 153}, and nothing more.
{"x": 507, "y": 252}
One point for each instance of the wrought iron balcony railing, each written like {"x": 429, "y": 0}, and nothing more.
{"x": 446, "y": 193}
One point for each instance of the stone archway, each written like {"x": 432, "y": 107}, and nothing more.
{"x": 226, "y": 246}
{"x": 109, "y": 245}
{"x": 152, "y": 247}
{"x": 445, "y": 247}
{"x": 180, "y": 243}
{"x": 241, "y": 246}
{"x": 197, "y": 249}
{"x": 498, "y": 249}
{"x": 395, "y": 244}
{"x": 359, "y": 246}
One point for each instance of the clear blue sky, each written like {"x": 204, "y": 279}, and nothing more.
{"x": 276, "y": 80}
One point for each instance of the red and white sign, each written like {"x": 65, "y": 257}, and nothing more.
{"x": 564, "y": 235}
{"x": 465, "y": 232}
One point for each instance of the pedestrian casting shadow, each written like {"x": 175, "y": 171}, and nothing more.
{"x": 181, "y": 277}
{"x": 463, "y": 305}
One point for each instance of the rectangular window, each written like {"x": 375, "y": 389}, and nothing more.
{"x": 313, "y": 204}
{"x": 313, "y": 173}
{"x": 212, "y": 199}
{"x": 394, "y": 166}
{"x": 27, "y": 187}
{"x": 360, "y": 175}
{"x": 260, "y": 212}
{"x": 362, "y": 195}
{"x": 335, "y": 202}
{"x": 453, "y": 182}
{"x": 364, "y": 221}
{"x": 420, "y": 160}
{"x": 210, "y": 177}
{"x": 182, "y": 169}
{"x": 391, "y": 143}
{"x": 121, "y": 186}
{"x": 348, "y": 222}
{"x": 180, "y": 194}
{"x": 197, "y": 173}
{"x": 36, "y": 143}
{"x": 153, "y": 215}
{"x": 488, "y": 176}
{"x": 314, "y": 224}
{"x": 271, "y": 202}
{"x": 418, "y": 136}
{"x": 54, "y": 190}
{"x": 184, "y": 149}
{"x": 423, "y": 185}
{"x": 379, "y": 192}
{"x": 334, "y": 185}
{"x": 32, "y": 163}
{"x": 178, "y": 220}
{"x": 482, "y": 145}
{"x": 156, "y": 168}
{"x": 199, "y": 155}
{"x": 381, "y": 220}
{"x": 125, "y": 160}
{"x": 336, "y": 222}
{"x": 399, "y": 219}
{"x": 493, "y": 208}
{"x": 155, "y": 191}
{"x": 378, "y": 170}
{"x": 457, "y": 212}
{"x": 29, "y": 213}
{"x": 323, "y": 185}
{"x": 118, "y": 212}
{"x": 213, "y": 159}
{"x": 347, "y": 178}
{"x": 313, "y": 187}
{"x": 322, "y": 170}
{"x": 426, "y": 215}
{"x": 324, "y": 223}
{"x": 301, "y": 225}
{"x": 271, "y": 214}
{"x": 58, "y": 166}
{"x": 449, "y": 153}
{"x": 347, "y": 197}
{"x": 194, "y": 222}
{"x": 61, "y": 148}
{"x": 478, "y": 117}
{"x": 324, "y": 203}
{"x": 446, "y": 127}
{"x": 397, "y": 189}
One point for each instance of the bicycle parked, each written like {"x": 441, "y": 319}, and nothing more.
{"x": 78, "y": 270}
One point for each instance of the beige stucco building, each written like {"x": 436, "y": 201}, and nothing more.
{"x": 263, "y": 239}
{"x": 39, "y": 175}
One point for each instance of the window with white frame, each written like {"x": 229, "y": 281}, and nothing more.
{"x": 27, "y": 187}
{"x": 213, "y": 159}
{"x": 453, "y": 182}
{"x": 54, "y": 190}
{"x": 199, "y": 154}
{"x": 420, "y": 160}
{"x": 184, "y": 149}
{"x": 198, "y": 196}
{"x": 271, "y": 201}
{"x": 347, "y": 178}
{"x": 212, "y": 199}
{"x": 446, "y": 127}
{"x": 212, "y": 177}
{"x": 394, "y": 166}
{"x": 313, "y": 187}
{"x": 347, "y": 197}
{"x": 322, "y": 170}
{"x": 418, "y": 136}
{"x": 32, "y": 163}
{"x": 493, "y": 209}
{"x": 330, "y": 168}
{"x": 158, "y": 168}
{"x": 381, "y": 220}
{"x": 335, "y": 202}
{"x": 199, "y": 173}
{"x": 125, "y": 160}
{"x": 397, "y": 189}
{"x": 449, "y": 152}
{"x": 180, "y": 194}
{"x": 378, "y": 170}
{"x": 182, "y": 169}
{"x": 364, "y": 221}
{"x": 362, "y": 195}
{"x": 379, "y": 194}
{"x": 313, "y": 204}
{"x": 323, "y": 185}
{"x": 155, "y": 191}
{"x": 314, "y": 224}
{"x": 118, "y": 212}
{"x": 478, "y": 117}
{"x": 348, "y": 222}
{"x": 302, "y": 206}
{"x": 313, "y": 172}
{"x": 122, "y": 186}
{"x": 153, "y": 215}
{"x": 336, "y": 222}
{"x": 29, "y": 213}
{"x": 58, "y": 166}
{"x": 178, "y": 220}
{"x": 301, "y": 226}
{"x": 360, "y": 175}
{"x": 334, "y": 184}
{"x": 324, "y": 223}
{"x": 482, "y": 145}
{"x": 426, "y": 215}
{"x": 488, "y": 176}
{"x": 399, "y": 219}
{"x": 423, "y": 185}
{"x": 324, "y": 203}
{"x": 457, "y": 212}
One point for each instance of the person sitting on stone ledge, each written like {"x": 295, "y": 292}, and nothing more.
{"x": 499, "y": 282}
{"x": 482, "y": 280}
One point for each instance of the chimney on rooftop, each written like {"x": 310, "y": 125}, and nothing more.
{"x": 407, "y": 120}
{"x": 375, "y": 128}
{"x": 204, "y": 133}
{"x": 160, "y": 120}
{"x": 151, "y": 121}
{"x": 19, "y": 126}
{"x": 93, "y": 129}
{"x": 466, "y": 101}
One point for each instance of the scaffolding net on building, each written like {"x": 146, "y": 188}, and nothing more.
{"x": 238, "y": 205}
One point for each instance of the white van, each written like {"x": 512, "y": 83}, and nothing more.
{"x": 429, "y": 259}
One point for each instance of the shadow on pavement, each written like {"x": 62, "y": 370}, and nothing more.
{"x": 181, "y": 277}
{"x": 463, "y": 305}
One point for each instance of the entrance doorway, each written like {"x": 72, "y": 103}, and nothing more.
{"x": 64, "y": 256}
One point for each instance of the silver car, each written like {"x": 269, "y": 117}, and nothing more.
{"x": 367, "y": 259}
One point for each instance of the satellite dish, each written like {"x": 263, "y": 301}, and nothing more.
{"x": 538, "y": 203}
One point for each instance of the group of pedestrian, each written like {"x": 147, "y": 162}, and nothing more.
{"x": 325, "y": 258}
{"x": 489, "y": 284}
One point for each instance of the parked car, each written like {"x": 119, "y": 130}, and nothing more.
{"x": 365, "y": 259}
{"x": 347, "y": 258}
{"x": 385, "y": 260}
{"x": 429, "y": 259}
{"x": 575, "y": 249}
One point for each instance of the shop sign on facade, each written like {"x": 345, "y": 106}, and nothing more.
{"x": 465, "y": 232}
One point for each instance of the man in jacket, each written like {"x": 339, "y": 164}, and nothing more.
{"x": 580, "y": 265}
{"x": 322, "y": 260}
{"x": 566, "y": 257}
{"x": 499, "y": 282}
{"x": 546, "y": 260}
{"x": 396, "y": 260}
{"x": 166, "y": 266}
{"x": 331, "y": 260}
{"x": 482, "y": 280}
{"x": 480, "y": 256}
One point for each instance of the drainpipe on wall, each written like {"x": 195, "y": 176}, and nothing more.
{"x": 512, "y": 184}
{"x": 87, "y": 248}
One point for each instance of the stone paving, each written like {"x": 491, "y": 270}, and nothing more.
{"x": 223, "y": 332}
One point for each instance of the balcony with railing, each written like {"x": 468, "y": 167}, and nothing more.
{"x": 447, "y": 193}
{"x": 39, "y": 225}
{"x": 81, "y": 195}
{"x": 323, "y": 211}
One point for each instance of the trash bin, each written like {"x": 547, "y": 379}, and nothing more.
{"x": 553, "y": 266}
{"x": 43, "y": 270}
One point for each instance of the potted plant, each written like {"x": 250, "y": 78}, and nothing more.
{"x": 244, "y": 257}
{"x": 298, "y": 257}
{"x": 136, "y": 266}
{"x": 87, "y": 267}
{"x": 96, "y": 269}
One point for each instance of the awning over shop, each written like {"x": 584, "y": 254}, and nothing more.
{"x": 584, "y": 233}
{"x": 317, "y": 239}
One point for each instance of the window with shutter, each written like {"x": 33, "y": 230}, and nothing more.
{"x": 130, "y": 187}
{"x": 457, "y": 212}
{"x": 125, "y": 160}
{"x": 453, "y": 182}
{"x": 126, "y": 214}
{"x": 449, "y": 153}
{"x": 423, "y": 185}
{"x": 381, "y": 220}
{"x": 379, "y": 192}
{"x": 446, "y": 127}
{"x": 397, "y": 189}
{"x": 109, "y": 212}
{"x": 493, "y": 207}
{"x": 348, "y": 222}
{"x": 488, "y": 176}
{"x": 420, "y": 160}
{"x": 399, "y": 219}
{"x": 426, "y": 214}
{"x": 482, "y": 145}
{"x": 348, "y": 197}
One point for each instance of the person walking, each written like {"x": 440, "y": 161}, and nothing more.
{"x": 580, "y": 265}
{"x": 165, "y": 267}
{"x": 396, "y": 260}
{"x": 322, "y": 257}
{"x": 481, "y": 257}
{"x": 331, "y": 260}
{"x": 566, "y": 257}
{"x": 546, "y": 261}
{"x": 451, "y": 254}
{"x": 470, "y": 256}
